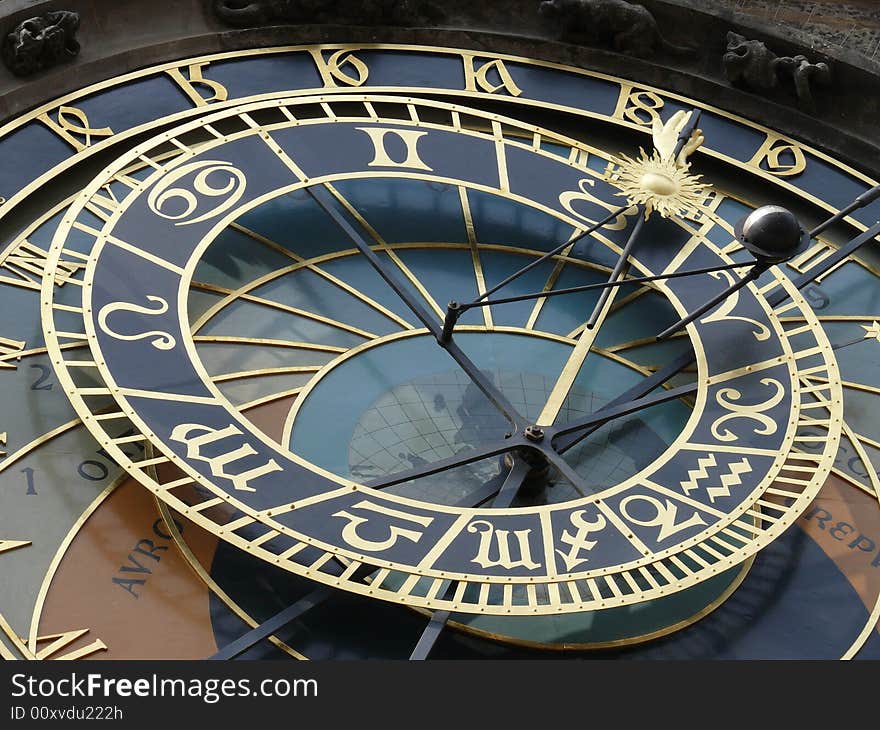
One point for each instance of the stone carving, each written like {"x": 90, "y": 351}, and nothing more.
{"x": 753, "y": 66}
{"x": 627, "y": 27}
{"x": 41, "y": 42}
{"x": 244, "y": 13}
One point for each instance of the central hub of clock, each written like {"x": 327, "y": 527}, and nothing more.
{"x": 401, "y": 403}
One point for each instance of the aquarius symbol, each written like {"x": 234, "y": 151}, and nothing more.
{"x": 162, "y": 341}
{"x": 730, "y": 479}
{"x": 726, "y": 397}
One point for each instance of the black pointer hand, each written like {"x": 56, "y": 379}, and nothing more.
{"x": 324, "y": 198}
{"x": 621, "y": 406}
{"x": 683, "y": 361}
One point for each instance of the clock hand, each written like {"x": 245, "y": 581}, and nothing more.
{"x": 673, "y": 142}
{"x": 324, "y": 199}
{"x": 611, "y": 412}
{"x": 591, "y": 287}
{"x": 688, "y": 139}
{"x": 454, "y": 309}
{"x": 439, "y": 619}
{"x": 686, "y": 359}
{"x": 274, "y": 624}
{"x": 773, "y": 235}
{"x": 584, "y": 344}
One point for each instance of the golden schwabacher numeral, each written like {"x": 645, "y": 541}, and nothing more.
{"x": 639, "y": 106}
{"x": 191, "y": 80}
{"x": 73, "y": 126}
{"x": 340, "y": 68}
{"x": 780, "y": 157}
{"x": 479, "y": 75}
{"x": 27, "y": 262}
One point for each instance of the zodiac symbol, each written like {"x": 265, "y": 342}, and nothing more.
{"x": 196, "y": 437}
{"x": 725, "y": 398}
{"x": 350, "y": 531}
{"x": 502, "y": 541}
{"x": 163, "y": 193}
{"x": 728, "y": 480}
{"x": 665, "y": 518}
{"x": 724, "y": 311}
{"x": 579, "y": 541}
{"x": 162, "y": 341}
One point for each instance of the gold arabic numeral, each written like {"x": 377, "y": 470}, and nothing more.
{"x": 639, "y": 106}
{"x": 197, "y": 437}
{"x": 341, "y": 67}
{"x": 779, "y": 157}
{"x": 3, "y": 443}
{"x": 395, "y": 532}
{"x": 28, "y": 263}
{"x": 51, "y": 646}
{"x": 162, "y": 340}
{"x": 502, "y": 548}
{"x": 409, "y": 137}
{"x": 568, "y": 198}
{"x": 578, "y": 541}
{"x": 477, "y": 76}
{"x": 191, "y": 80}
{"x": 812, "y": 257}
{"x": 212, "y": 179}
{"x": 8, "y": 545}
{"x": 666, "y": 516}
{"x": 73, "y": 126}
{"x": 10, "y": 350}
{"x": 727, "y": 397}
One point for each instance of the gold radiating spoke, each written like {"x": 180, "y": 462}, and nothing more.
{"x": 390, "y": 252}
{"x": 238, "y": 294}
{"x": 336, "y": 281}
{"x": 551, "y": 282}
{"x": 475, "y": 252}
{"x": 573, "y": 365}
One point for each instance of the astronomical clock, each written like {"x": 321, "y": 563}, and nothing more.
{"x": 379, "y": 349}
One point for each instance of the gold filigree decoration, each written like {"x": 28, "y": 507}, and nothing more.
{"x": 661, "y": 181}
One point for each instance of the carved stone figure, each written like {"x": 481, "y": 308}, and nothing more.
{"x": 753, "y": 66}
{"x": 242, "y": 13}
{"x": 41, "y": 42}
{"x": 627, "y": 27}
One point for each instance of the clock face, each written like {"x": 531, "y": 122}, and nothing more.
{"x": 239, "y": 376}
